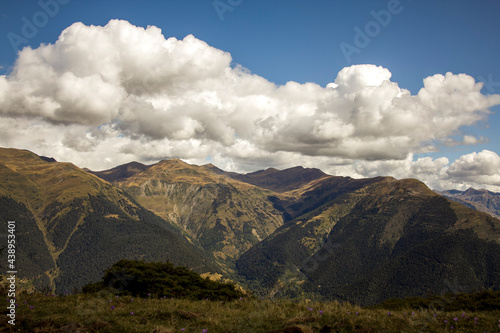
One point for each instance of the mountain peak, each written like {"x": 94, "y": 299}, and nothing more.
{"x": 120, "y": 172}
{"x": 482, "y": 191}
{"x": 261, "y": 173}
{"x": 472, "y": 190}
{"x": 282, "y": 180}
{"x": 215, "y": 169}
{"x": 48, "y": 159}
{"x": 482, "y": 200}
{"x": 175, "y": 162}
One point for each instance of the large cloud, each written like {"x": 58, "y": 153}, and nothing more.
{"x": 479, "y": 168}
{"x": 126, "y": 92}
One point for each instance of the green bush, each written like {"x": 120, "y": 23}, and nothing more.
{"x": 156, "y": 279}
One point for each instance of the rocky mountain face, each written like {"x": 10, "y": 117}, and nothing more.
{"x": 227, "y": 213}
{"x": 296, "y": 232}
{"x": 71, "y": 225}
{"x": 482, "y": 200}
{"x": 224, "y": 216}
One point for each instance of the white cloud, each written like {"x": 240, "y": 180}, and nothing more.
{"x": 101, "y": 96}
{"x": 478, "y": 168}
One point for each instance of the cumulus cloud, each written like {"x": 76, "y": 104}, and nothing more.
{"x": 479, "y": 168}
{"x": 127, "y": 92}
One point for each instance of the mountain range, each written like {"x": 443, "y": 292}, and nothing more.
{"x": 482, "y": 200}
{"x": 294, "y": 233}
{"x": 71, "y": 225}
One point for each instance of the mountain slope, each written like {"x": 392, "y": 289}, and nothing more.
{"x": 71, "y": 225}
{"x": 317, "y": 192}
{"x": 482, "y": 200}
{"x": 387, "y": 239}
{"x": 227, "y": 212}
{"x": 281, "y": 180}
{"x": 120, "y": 172}
{"x": 298, "y": 190}
{"x": 225, "y": 216}
{"x": 294, "y": 232}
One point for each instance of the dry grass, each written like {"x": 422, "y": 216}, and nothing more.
{"x": 107, "y": 313}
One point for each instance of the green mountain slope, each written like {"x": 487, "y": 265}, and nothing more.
{"x": 299, "y": 190}
{"x": 226, "y": 217}
{"x": 33, "y": 258}
{"x": 72, "y": 225}
{"x": 295, "y": 232}
{"x": 387, "y": 239}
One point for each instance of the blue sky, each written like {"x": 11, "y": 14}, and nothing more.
{"x": 290, "y": 40}
{"x": 299, "y": 41}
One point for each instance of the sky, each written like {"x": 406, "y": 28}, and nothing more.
{"x": 402, "y": 88}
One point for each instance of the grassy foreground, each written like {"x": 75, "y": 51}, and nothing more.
{"x": 104, "y": 312}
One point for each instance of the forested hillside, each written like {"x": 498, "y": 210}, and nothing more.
{"x": 71, "y": 225}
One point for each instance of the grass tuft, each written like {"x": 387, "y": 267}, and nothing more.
{"x": 38, "y": 312}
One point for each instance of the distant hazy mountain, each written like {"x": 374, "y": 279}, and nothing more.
{"x": 482, "y": 200}
{"x": 71, "y": 225}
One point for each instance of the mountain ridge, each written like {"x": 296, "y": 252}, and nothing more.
{"x": 336, "y": 251}
{"x": 481, "y": 200}
{"x": 296, "y": 232}
{"x": 119, "y": 172}
{"x": 70, "y": 219}
{"x": 225, "y": 216}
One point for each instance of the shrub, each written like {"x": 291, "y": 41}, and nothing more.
{"x": 158, "y": 279}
